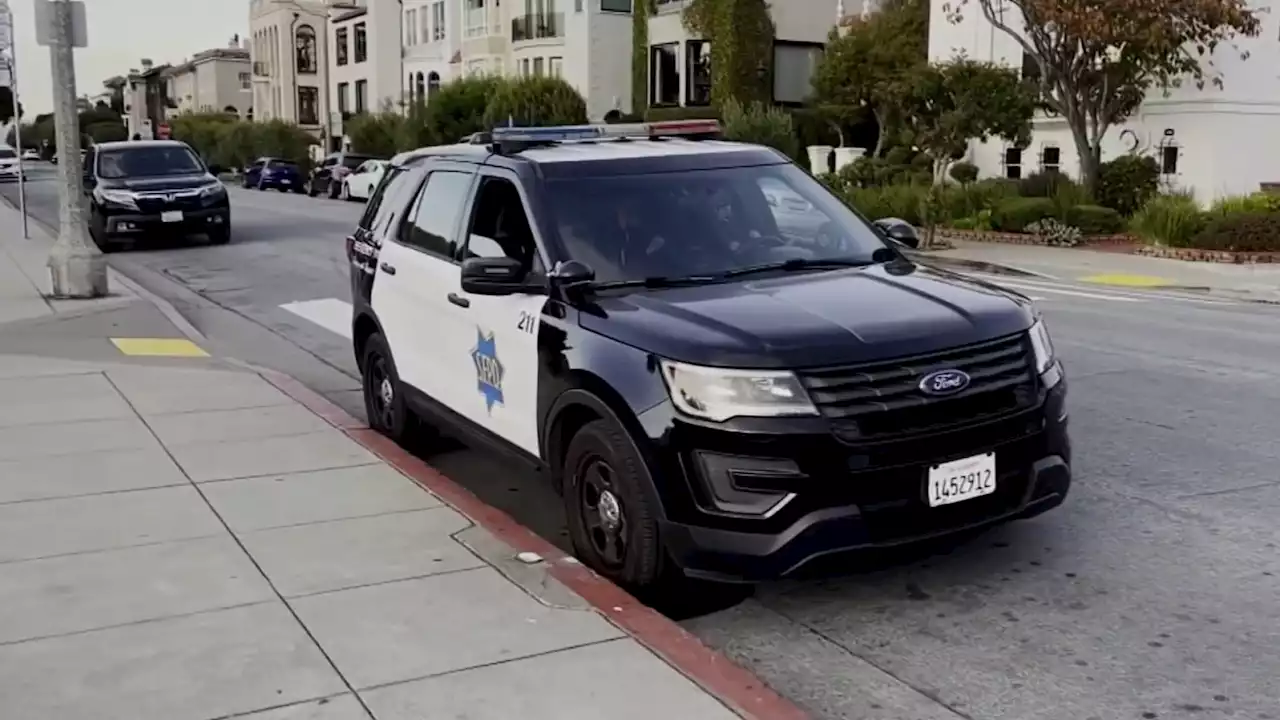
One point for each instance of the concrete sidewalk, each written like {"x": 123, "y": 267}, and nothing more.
{"x": 1250, "y": 282}
{"x": 182, "y": 537}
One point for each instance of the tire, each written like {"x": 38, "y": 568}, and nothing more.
{"x": 345, "y": 192}
{"x": 384, "y": 404}
{"x": 244, "y": 183}
{"x": 333, "y": 191}
{"x": 220, "y": 236}
{"x": 98, "y": 233}
{"x": 311, "y": 188}
{"x": 602, "y": 457}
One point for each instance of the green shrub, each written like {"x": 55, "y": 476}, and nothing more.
{"x": 1240, "y": 232}
{"x": 1094, "y": 219}
{"x": 1044, "y": 184}
{"x": 455, "y": 111}
{"x": 1256, "y": 202}
{"x": 1126, "y": 183}
{"x": 964, "y": 172}
{"x": 1015, "y": 214}
{"x": 375, "y": 134}
{"x": 534, "y": 100}
{"x": 1171, "y": 220}
{"x": 973, "y": 198}
{"x": 761, "y": 124}
{"x": 900, "y": 201}
{"x": 1055, "y": 233}
{"x": 877, "y": 172}
{"x": 658, "y": 114}
{"x": 109, "y": 131}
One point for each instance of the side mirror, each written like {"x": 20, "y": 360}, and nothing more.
{"x": 899, "y": 231}
{"x": 493, "y": 276}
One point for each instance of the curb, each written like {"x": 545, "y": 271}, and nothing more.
{"x": 734, "y": 686}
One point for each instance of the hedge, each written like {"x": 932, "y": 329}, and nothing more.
{"x": 1015, "y": 214}
{"x": 1094, "y": 220}
{"x": 1240, "y": 232}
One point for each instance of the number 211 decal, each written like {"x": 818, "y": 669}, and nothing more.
{"x": 526, "y": 322}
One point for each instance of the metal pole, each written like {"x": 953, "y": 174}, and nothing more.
{"x": 12, "y": 61}
{"x": 77, "y": 267}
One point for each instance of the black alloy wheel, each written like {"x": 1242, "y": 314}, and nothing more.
{"x": 383, "y": 400}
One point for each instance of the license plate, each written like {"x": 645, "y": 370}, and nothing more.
{"x": 960, "y": 480}
{"x": 285, "y": 182}
{"x": 171, "y": 216}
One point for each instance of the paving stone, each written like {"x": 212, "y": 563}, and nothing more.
{"x": 236, "y": 425}
{"x": 88, "y": 473}
{"x": 270, "y": 456}
{"x": 29, "y": 441}
{"x": 342, "y": 707}
{"x": 157, "y": 391}
{"x": 71, "y": 398}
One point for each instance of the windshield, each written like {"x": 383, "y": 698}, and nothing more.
{"x": 705, "y": 222}
{"x": 148, "y": 162}
{"x": 7, "y": 154}
{"x": 354, "y": 161}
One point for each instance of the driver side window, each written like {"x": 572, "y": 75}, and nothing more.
{"x": 500, "y": 226}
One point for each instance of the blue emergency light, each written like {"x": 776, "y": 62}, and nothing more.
{"x": 567, "y": 133}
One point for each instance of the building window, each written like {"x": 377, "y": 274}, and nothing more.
{"x": 308, "y": 106}
{"x": 344, "y": 99}
{"x": 362, "y": 95}
{"x": 246, "y": 81}
{"x": 793, "y": 66}
{"x": 618, "y": 6}
{"x": 697, "y": 55}
{"x": 410, "y": 27}
{"x": 1050, "y": 159}
{"x": 524, "y": 67}
{"x": 437, "y": 21}
{"x": 306, "y": 50}
{"x": 341, "y": 46}
{"x": 1013, "y": 163}
{"x": 433, "y": 84}
{"x": 362, "y": 43}
{"x": 537, "y": 66}
{"x": 420, "y": 86}
{"x": 664, "y": 74}
{"x": 555, "y": 66}
{"x": 577, "y": 6}
{"x": 1169, "y": 160}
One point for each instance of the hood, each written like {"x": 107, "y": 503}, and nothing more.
{"x": 812, "y": 319}
{"x": 163, "y": 182}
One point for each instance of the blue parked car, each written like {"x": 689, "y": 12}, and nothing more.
{"x": 266, "y": 173}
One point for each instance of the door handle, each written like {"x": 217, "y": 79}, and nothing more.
{"x": 388, "y": 269}
{"x": 458, "y": 300}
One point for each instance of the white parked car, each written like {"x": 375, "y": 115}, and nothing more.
{"x": 359, "y": 184}
{"x": 30, "y": 156}
{"x": 10, "y": 169}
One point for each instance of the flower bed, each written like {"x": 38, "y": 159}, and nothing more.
{"x": 1214, "y": 256}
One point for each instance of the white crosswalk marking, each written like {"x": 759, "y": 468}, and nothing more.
{"x": 331, "y": 314}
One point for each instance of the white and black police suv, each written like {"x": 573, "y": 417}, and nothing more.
{"x": 725, "y": 370}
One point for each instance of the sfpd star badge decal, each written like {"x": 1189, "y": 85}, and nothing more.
{"x": 489, "y": 369}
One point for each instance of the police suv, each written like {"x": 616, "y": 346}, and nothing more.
{"x": 725, "y": 370}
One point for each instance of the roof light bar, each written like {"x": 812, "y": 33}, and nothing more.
{"x": 565, "y": 133}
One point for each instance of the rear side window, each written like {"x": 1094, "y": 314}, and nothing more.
{"x": 390, "y": 199}
{"x": 434, "y": 217}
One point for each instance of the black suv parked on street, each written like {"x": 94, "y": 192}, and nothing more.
{"x": 326, "y": 178}
{"x": 145, "y": 187}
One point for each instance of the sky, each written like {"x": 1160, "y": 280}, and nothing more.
{"x": 121, "y": 33}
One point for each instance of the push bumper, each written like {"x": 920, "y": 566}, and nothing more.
{"x": 192, "y": 221}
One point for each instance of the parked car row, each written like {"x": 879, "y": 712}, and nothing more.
{"x": 341, "y": 175}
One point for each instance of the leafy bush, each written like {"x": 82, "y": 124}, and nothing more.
{"x": 1126, "y": 183}
{"x": 900, "y": 201}
{"x": 1171, "y": 220}
{"x": 1240, "y": 232}
{"x": 658, "y": 114}
{"x": 1094, "y": 219}
{"x": 1256, "y": 202}
{"x": 973, "y": 198}
{"x": 455, "y": 111}
{"x": 964, "y": 172}
{"x": 1055, "y": 233}
{"x": 1015, "y": 214}
{"x": 877, "y": 172}
{"x": 108, "y": 131}
{"x": 1044, "y": 184}
{"x": 534, "y": 100}
{"x": 202, "y": 131}
{"x": 761, "y": 124}
{"x": 376, "y": 134}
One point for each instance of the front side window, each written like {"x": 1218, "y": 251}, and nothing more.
{"x": 354, "y": 161}
{"x": 153, "y": 161}
{"x": 705, "y": 222}
{"x": 7, "y": 154}
{"x": 430, "y": 225}
{"x": 390, "y": 199}
{"x": 500, "y": 226}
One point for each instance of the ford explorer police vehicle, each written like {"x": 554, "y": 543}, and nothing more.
{"x": 725, "y": 370}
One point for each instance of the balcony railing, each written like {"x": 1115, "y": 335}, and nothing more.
{"x": 537, "y": 27}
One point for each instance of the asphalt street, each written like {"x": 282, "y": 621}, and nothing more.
{"x": 1150, "y": 594}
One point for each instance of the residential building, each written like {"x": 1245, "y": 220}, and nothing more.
{"x": 432, "y": 36}
{"x": 220, "y": 80}
{"x": 364, "y": 45}
{"x": 1212, "y": 141}
{"x": 147, "y": 104}
{"x": 290, "y": 63}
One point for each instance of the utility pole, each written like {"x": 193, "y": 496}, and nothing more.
{"x": 9, "y": 53}
{"x": 77, "y": 267}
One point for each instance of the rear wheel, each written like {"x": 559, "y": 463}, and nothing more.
{"x": 220, "y": 235}
{"x": 612, "y": 524}
{"x": 333, "y": 191}
{"x": 384, "y": 403}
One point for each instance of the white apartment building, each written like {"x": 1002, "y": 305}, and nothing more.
{"x": 366, "y": 53}
{"x": 432, "y": 38}
{"x": 220, "y": 79}
{"x": 1214, "y": 142}
{"x": 290, "y": 62}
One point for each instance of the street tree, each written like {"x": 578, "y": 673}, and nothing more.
{"x": 1097, "y": 59}
{"x": 6, "y": 104}
{"x": 864, "y": 63}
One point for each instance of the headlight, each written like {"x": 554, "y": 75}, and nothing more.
{"x": 116, "y": 197}
{"x": 213, "y": 189}
{"x": 1041, "y": 346}
{"x": 717, "y": 394}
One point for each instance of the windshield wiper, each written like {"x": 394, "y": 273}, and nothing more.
{"x": 655, "y": 282}
{"x": 797, "y": 264}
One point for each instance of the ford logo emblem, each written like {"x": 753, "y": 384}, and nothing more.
{"x": 944, "y": 382}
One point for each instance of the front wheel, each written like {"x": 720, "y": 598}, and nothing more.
{"x": 383, "y": 399}
{"x": 611, "y": 522}
{"x": 220, "y": 235}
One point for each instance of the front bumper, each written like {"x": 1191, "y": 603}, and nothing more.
{"x": 193, "y": 221}
{"x": 767, "y": 505}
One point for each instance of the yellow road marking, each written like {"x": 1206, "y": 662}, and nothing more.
{"x": 1125, "y": 280}
{"x": 158, "y": 347}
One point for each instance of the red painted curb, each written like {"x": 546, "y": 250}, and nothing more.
{"x": 732, "y": 684}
